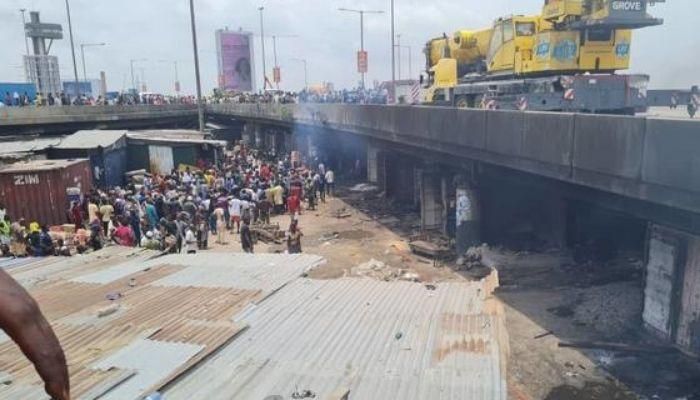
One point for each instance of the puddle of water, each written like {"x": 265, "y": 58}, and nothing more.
{"x": 591, "y": 391}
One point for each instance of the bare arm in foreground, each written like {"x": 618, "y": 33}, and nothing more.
{"x": 22, "y": 320}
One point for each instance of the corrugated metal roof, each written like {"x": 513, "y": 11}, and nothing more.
{"x": 381, "y": 340}
{"x": 153, "y": 362}
{"x": 91, "y": 139}
{"x": 39, "y": 165}
{"x": 72, "y": 295}
{"x": 266, "y": 272}
{"x": 174, "y": 136}
{"x": 27, "y": 146}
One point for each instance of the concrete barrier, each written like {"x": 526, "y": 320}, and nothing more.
{"x": 504, "y": 132}
{"x": 467, "y": 128}
{"x": 672, "y": 154}
{"x": 548, "y": 137}
{"x": 610, "y": 145}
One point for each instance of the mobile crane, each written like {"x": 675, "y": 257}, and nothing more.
{"x": 564, "y": 59}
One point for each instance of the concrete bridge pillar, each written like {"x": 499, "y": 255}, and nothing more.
{"x": 373, "y": 164}
{"x": 259, "y": 137}
{"x": 248, "y": 133}
{"x": 432, "y": 210}
{"x": 468, "y": 231}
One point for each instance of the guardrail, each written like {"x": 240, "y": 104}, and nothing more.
{"x": 19, "y": 116}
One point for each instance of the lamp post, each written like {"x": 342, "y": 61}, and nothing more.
{"x": 393, "y": 60}
{"x": 398, "y": 47}
{"x": 200, "y": 106}
{"x": 72, "y": 49}
{"x": 362, "y": 31}
{"x": 306, "y": 72}
{"x": 24, "y": 24}
{"x": 177, "y": 79}
{"x": 133, "y": 82}
{"x": 262, "y": 40}
{"x": 274, "y": 50}
{"x": 82, "y": 55}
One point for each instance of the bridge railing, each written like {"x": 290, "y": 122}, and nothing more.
{"x": 66, "y": 114}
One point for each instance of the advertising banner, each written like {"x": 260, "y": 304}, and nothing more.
{"x": 235, "y": 61}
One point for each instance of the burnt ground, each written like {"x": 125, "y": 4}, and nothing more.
{"x": 543, "y": 290}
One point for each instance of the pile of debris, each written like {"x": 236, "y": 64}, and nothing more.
{"x": 473, "y": 258}
{"x": 436, "y": 247}
{"x": 381, "y": 271}
{"x": 267, "y": 233}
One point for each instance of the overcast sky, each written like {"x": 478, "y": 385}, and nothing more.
{"x": 160, "y": 30}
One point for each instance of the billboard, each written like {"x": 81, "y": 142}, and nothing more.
{"x": 236, "y": 68}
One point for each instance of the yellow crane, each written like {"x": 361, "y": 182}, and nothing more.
{"x": 544, "y": 62}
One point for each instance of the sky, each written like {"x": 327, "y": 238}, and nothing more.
{"x": 159, "y": 31}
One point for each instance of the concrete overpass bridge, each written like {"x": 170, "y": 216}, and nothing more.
{"x": 18, "y": 121}
{"x": 570, "y": 179}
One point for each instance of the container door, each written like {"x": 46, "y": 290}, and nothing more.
{"x": 161, "y": 159}
{"x": 688, "y": 335}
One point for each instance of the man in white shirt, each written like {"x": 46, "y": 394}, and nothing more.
{"x": 190, "y": 241}
{"x": 330, "y": 182}
{"x": 234, "y": 210}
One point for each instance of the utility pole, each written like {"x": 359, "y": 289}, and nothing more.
{"x": 72, "y": 49}
{"x": 200, "y": 106}
{"x": 262, "y": 40}
{"x": 28, "y": 64}
{"x": 398, "y": 47}
{"x": 362, "y": 32}
{"x": 274, "y": 51}
{"x": 24, "y": 24}
{"x": 133, "y": 82}
{"x": 306, "y": 73}
{"x": 393, "y": 61}
{"x": 82, "y": 55}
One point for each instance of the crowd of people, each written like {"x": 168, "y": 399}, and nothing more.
{"x": 62, "y": 99}
{"x": 353, "y": 96}
{"x": 183, "y": 211}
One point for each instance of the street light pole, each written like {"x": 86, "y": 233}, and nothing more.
{"x": 262, "y": 40}
{"x": 82, "y": 55}
{"x": 306, "y": 73}
{"x": 177, "y": 79}
{"x": 362, "y": 31}
{"x": 24, "y": 24}
{"x": 274, "y": 50}
{"x": 398, "y": 47}
{"x": 72, "y": 49}
{"x": 133, "y": 82}
{"x": 393, "y": 61}
{"x": 200, "y": 106}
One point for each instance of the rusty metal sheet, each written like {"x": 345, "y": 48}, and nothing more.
{"x": 37, "y": 190}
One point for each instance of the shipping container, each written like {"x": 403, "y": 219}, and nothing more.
{"x": 41, "y": 191}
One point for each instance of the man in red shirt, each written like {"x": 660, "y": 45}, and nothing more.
{"x": 294, "y": 205}
{"x": 123, "y": 235}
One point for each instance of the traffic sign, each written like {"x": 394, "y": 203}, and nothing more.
{"x": 43, "y": 31}
{"x": 362, "y": 62}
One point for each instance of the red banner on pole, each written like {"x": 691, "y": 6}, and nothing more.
{"x": 362, "y": 62}
{"x": 277, "y": 74}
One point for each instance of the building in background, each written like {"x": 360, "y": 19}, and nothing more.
{"x": 41, "y": 68}
{"x": 235, "y": 60}
{"x": 90, "y": 88}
